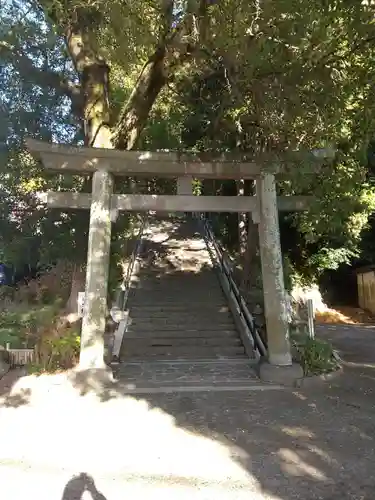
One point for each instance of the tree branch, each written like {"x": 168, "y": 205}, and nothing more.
{"x": 135, "y": 112}
{"x": 177, "y": 44}
{"x": 332, "y": 56}
{"x": 25, "y": 66}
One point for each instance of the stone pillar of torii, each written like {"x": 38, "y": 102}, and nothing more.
{"x": 104, "y": 206}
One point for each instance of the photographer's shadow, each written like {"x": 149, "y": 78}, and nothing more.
{"x": 76, "y": 487}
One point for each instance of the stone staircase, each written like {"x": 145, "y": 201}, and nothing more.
{"x": 177, "y": 309}
{"x": 179, "y": 324}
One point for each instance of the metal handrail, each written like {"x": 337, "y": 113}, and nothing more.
{"x": 119, "y": 313}
{"x": 224, "y": 268}
{"x": 125, "y": 285}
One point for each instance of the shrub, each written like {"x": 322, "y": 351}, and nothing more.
{"x": 48, "y": 287}
{"x": 316, "y": 356}
{"x": 57, "y": 348}
{"x": 6, "y": 294}
{"x": 31, "y": 316}
{"x": 21, "y": 322}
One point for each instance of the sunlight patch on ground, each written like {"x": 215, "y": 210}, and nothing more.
{"x": 189, "y": 254}
{"x": 292, "y": 463}
{"x": 58, "y": 428}
{"x": 160, "y": 237}
{"x": 345, "y": 316}
{"x": 298, "y": 432}
{"x": 333, "y": 316}
{"x": 300, "y": 396}
{"x": 359, "y": 365}
{"x": 25, "y": 483}
{"x": 323, "y": 455}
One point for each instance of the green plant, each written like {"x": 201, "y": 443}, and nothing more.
{"x": 57, "y": 350}
{"x": 13, "y": 327}
{"x": 6, "y": 293}
{"x": 51, "y": 286}
{"x": 21, "y": 322}
{"x": 315, "y": 355}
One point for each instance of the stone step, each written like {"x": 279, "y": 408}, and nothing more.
{"x": 178, "y": 300}
{"x": 189, "y": 278}
{"x": 181, "y": 315}
{"x": 150, "y": 273}
{"x": 198, "y": 327}
{"x": 200, "y": 290}
{"x": 177, "y": 352}
{"x": 211, "y": 284}
{"x": 177, "y": 308}
{"x": 180, "y": 294}
{"x": 183, "y": 333}
{"x": 165, "y": 285}
{"x": 181, "y": 287}
{"x": 162, "y": 278}
{"x": 181, "y": 321}
{"x": 180, "y": 341}
{"x": 160, "y": 300}
{"x": 174, "y": 374}
{"x": 165, "y": 281}
{"x": 159, "y": 275}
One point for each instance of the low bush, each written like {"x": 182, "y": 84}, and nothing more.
{"x": 48, "y": 287}
{"x": 56, "y": 349}
{"x": 31, "y": 315}
{"x": 21, "y": 322}
{"x": 315, "y": 356}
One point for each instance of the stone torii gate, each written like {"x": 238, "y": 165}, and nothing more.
{"x": 104, "y": 206}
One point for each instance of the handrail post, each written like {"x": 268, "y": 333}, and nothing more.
{"x": 310, "y": 318}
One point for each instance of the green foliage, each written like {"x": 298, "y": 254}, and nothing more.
{"x": 20, "y": 323}
{"x": 330, "y": 258}
{"x": 32, "y": 311}
{"x": 56, "y": 353}
{"x": 289, "y": 273}
{"x": 30, "y": 318}
{"x": 261, "y": 77}
{"x": 315, "y": 355}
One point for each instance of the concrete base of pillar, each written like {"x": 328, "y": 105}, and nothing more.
{"x": 97, "y": 380}
{"x": 282, "y": 375}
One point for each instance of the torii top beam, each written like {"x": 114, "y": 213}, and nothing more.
{"x": 83, "y": 160}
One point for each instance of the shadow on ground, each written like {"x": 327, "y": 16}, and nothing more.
{"x": 10, "y": 398}
{"x": 79, "y": 485}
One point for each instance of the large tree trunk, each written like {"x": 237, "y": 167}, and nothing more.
{"x": 95, "y": 82}
{"x": 93, "y": 73}
{"x": 133, "y": 117}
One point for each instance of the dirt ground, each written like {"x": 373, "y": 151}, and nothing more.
{"x": 64, "y": 438}
{"x": 345, "y": 316}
